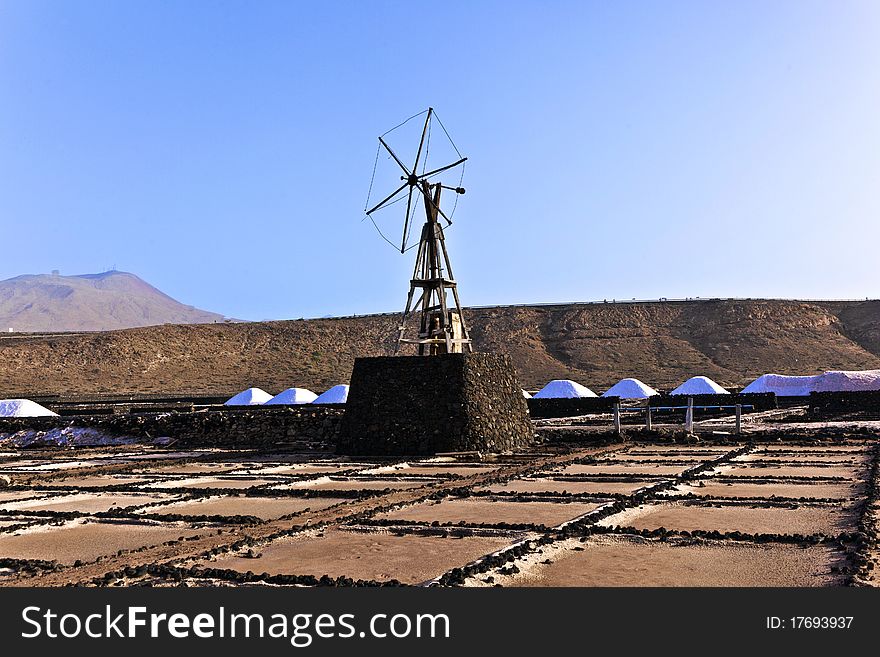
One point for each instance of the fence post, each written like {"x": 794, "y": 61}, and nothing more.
{"x": 689, "y": 416}
{"x": 739, "y": 413}
{"x": 648, "y": 418}
{"x": 617, "y": 418}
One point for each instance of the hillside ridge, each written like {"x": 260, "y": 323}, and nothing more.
{"x": 661, "y": 343}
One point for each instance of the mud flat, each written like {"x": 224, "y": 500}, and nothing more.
{"x": 674, "y": 452}
{"x": 99, "y": 481}
{"x": 670, "y": 459}
{"x": 261, "y": 469}
{"x": 230, "y": 483}
{"x": 612, "y": 467}
{"x": 265, "y": 508}
{"x": 543, "y": 485}
{"x": 631, "y": 561}
{"x": 88, "y": 540}
{"x": 191, "y": 469}
{"x": 715, "y": 488}
{"x": 790, "y": 470}
{"x": 825, "y": 519}
{"x": 86, "y": 502}
{"x": 429, "y": 470}
{"x": 487, "y": 511}
{"x": 13, "y": 495}
{"x": 328, "y": 483}
{"x": 379, "y": 556}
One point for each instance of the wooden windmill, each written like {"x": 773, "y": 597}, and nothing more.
{"x": 441, "y": 325}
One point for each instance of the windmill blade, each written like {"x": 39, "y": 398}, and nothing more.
{"x": 422, "y": 141}
{"x": 448, "y": 166}
{"x": 396, "y": 159}
{"x": 406, "y": 221}
{"x": 387, "y": 198}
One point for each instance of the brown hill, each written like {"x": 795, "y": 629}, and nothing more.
{"x": 596, "y": 344}
{"x": 90, "y": 302}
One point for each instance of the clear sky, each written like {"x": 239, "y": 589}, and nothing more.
{"x": 223, "y": 150}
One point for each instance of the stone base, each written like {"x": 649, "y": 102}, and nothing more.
{"x": 418, "y": 405}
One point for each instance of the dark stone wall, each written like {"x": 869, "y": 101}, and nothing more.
{"x": 864, "y": 404}
{"x": 245, "y": 426}
{"x": 416, "y": 405}
{"x": 546, "y": 408}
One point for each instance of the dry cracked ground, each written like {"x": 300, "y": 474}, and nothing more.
{"x": 780, "y": 513}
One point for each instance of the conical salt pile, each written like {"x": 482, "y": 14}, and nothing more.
{"x": 293, "y": 396}
{"x": 23, "y": 408}
{"x": 336, "y": 395}
{"x": 563, "y": 388}
{"x": 630, "y": 389}
{"x": 249, "y": 397}
{"x": 699, "y": 385}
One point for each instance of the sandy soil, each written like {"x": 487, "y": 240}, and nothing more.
{"x": 87, "y": 540}
{"x": 86, "y": 502}
{"x": 266, "y": 508}
{"x": 361, "y": 555}
{"x": 555, "y": 486}
{"x": 621, "y": 561}
{"x": 803, "y": 520}
{"x": 487, "y": 511}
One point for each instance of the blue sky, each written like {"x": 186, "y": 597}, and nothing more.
{"x": 223, "y": 150}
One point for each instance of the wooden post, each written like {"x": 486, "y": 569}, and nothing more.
{"x": 617, "y": 418}
{"x": 739, "y": 412}
{"x": 648, "y": 418}
{"x": 689, "y": 416}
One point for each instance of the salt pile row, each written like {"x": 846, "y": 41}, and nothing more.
{"x": 628, "y": 389}
{"x": 801, "y": 386}
{"x": 291, "y": 396}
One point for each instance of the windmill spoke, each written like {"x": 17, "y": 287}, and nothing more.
{"x": 406, "y": 221}
{"x": 396, "y": 159}
{"x": 422, "y": 141}
{"x": 387, "y": 198}
{"x": 448, "y": 166}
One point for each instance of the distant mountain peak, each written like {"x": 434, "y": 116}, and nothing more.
{"x": 104, "y": 301}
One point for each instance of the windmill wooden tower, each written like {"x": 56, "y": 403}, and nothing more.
{"x": 441, "y": 325}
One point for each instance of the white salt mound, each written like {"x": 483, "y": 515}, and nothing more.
{"x": 336, "y": 395}
{"x": 23, "y": 408}
{"x": 249, "y": 397}
{"x": 831, "y": 381}
{"x": 699, "y": 385}
{"x": 630, "y": 389}
{"x": 563, "y": 389}
{"x": 293, "y": 396}
{"x": 842, "y": 381}
{"x": 782, "y": 385}
{"x": 526, "y": 394}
